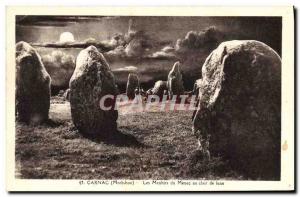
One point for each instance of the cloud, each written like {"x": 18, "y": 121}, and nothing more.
{"x": 168, "y": 49}
{"x": 126, "y": 69}
{"x": 134, "y": 44}
{"x": 166, "y": 53}
{"x": 138, "y": 44}
{"x": 162, "y": 55}
{"x": 194, "y": 43}
{"x": 118, "y": 52}
{"x": 60, "y": 66}
{"x": 206, "y": 40}
{"x": 90, "y": 40}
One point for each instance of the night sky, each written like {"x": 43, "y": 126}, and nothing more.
{"x": 151, "y": 44}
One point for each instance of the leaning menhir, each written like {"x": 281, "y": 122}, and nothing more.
{"x": 32, "y": 85}
{"x": 175, "y": 83}
{"x": 91, "y": 81}
{"x": 132, "y": 84}
{"x": 240, "y": 107}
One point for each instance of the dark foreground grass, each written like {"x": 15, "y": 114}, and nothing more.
{"x": 165, "y": 150}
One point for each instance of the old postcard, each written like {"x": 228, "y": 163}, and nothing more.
{"x": 150, "y": 98}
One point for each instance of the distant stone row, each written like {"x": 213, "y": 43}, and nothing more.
{"x": 173, "y": 86}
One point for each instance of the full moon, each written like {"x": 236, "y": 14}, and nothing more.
{"x": 66, "y": 37}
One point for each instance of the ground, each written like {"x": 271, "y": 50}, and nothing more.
{"x": 157, "y": 145}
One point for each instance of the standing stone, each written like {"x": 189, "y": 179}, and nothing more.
{"x": 159, "y": 88}
{"x": 132, "y": 84}
{"x": 92, "y": 80}
{"x": 175, "y": 83}
{"x": 32, "y": 85}
{"x": 240, "y": 107}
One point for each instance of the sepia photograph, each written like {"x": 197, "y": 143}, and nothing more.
{"x": 115, "y": 98}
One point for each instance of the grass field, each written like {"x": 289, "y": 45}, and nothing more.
{"x": 155, "y": 145}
